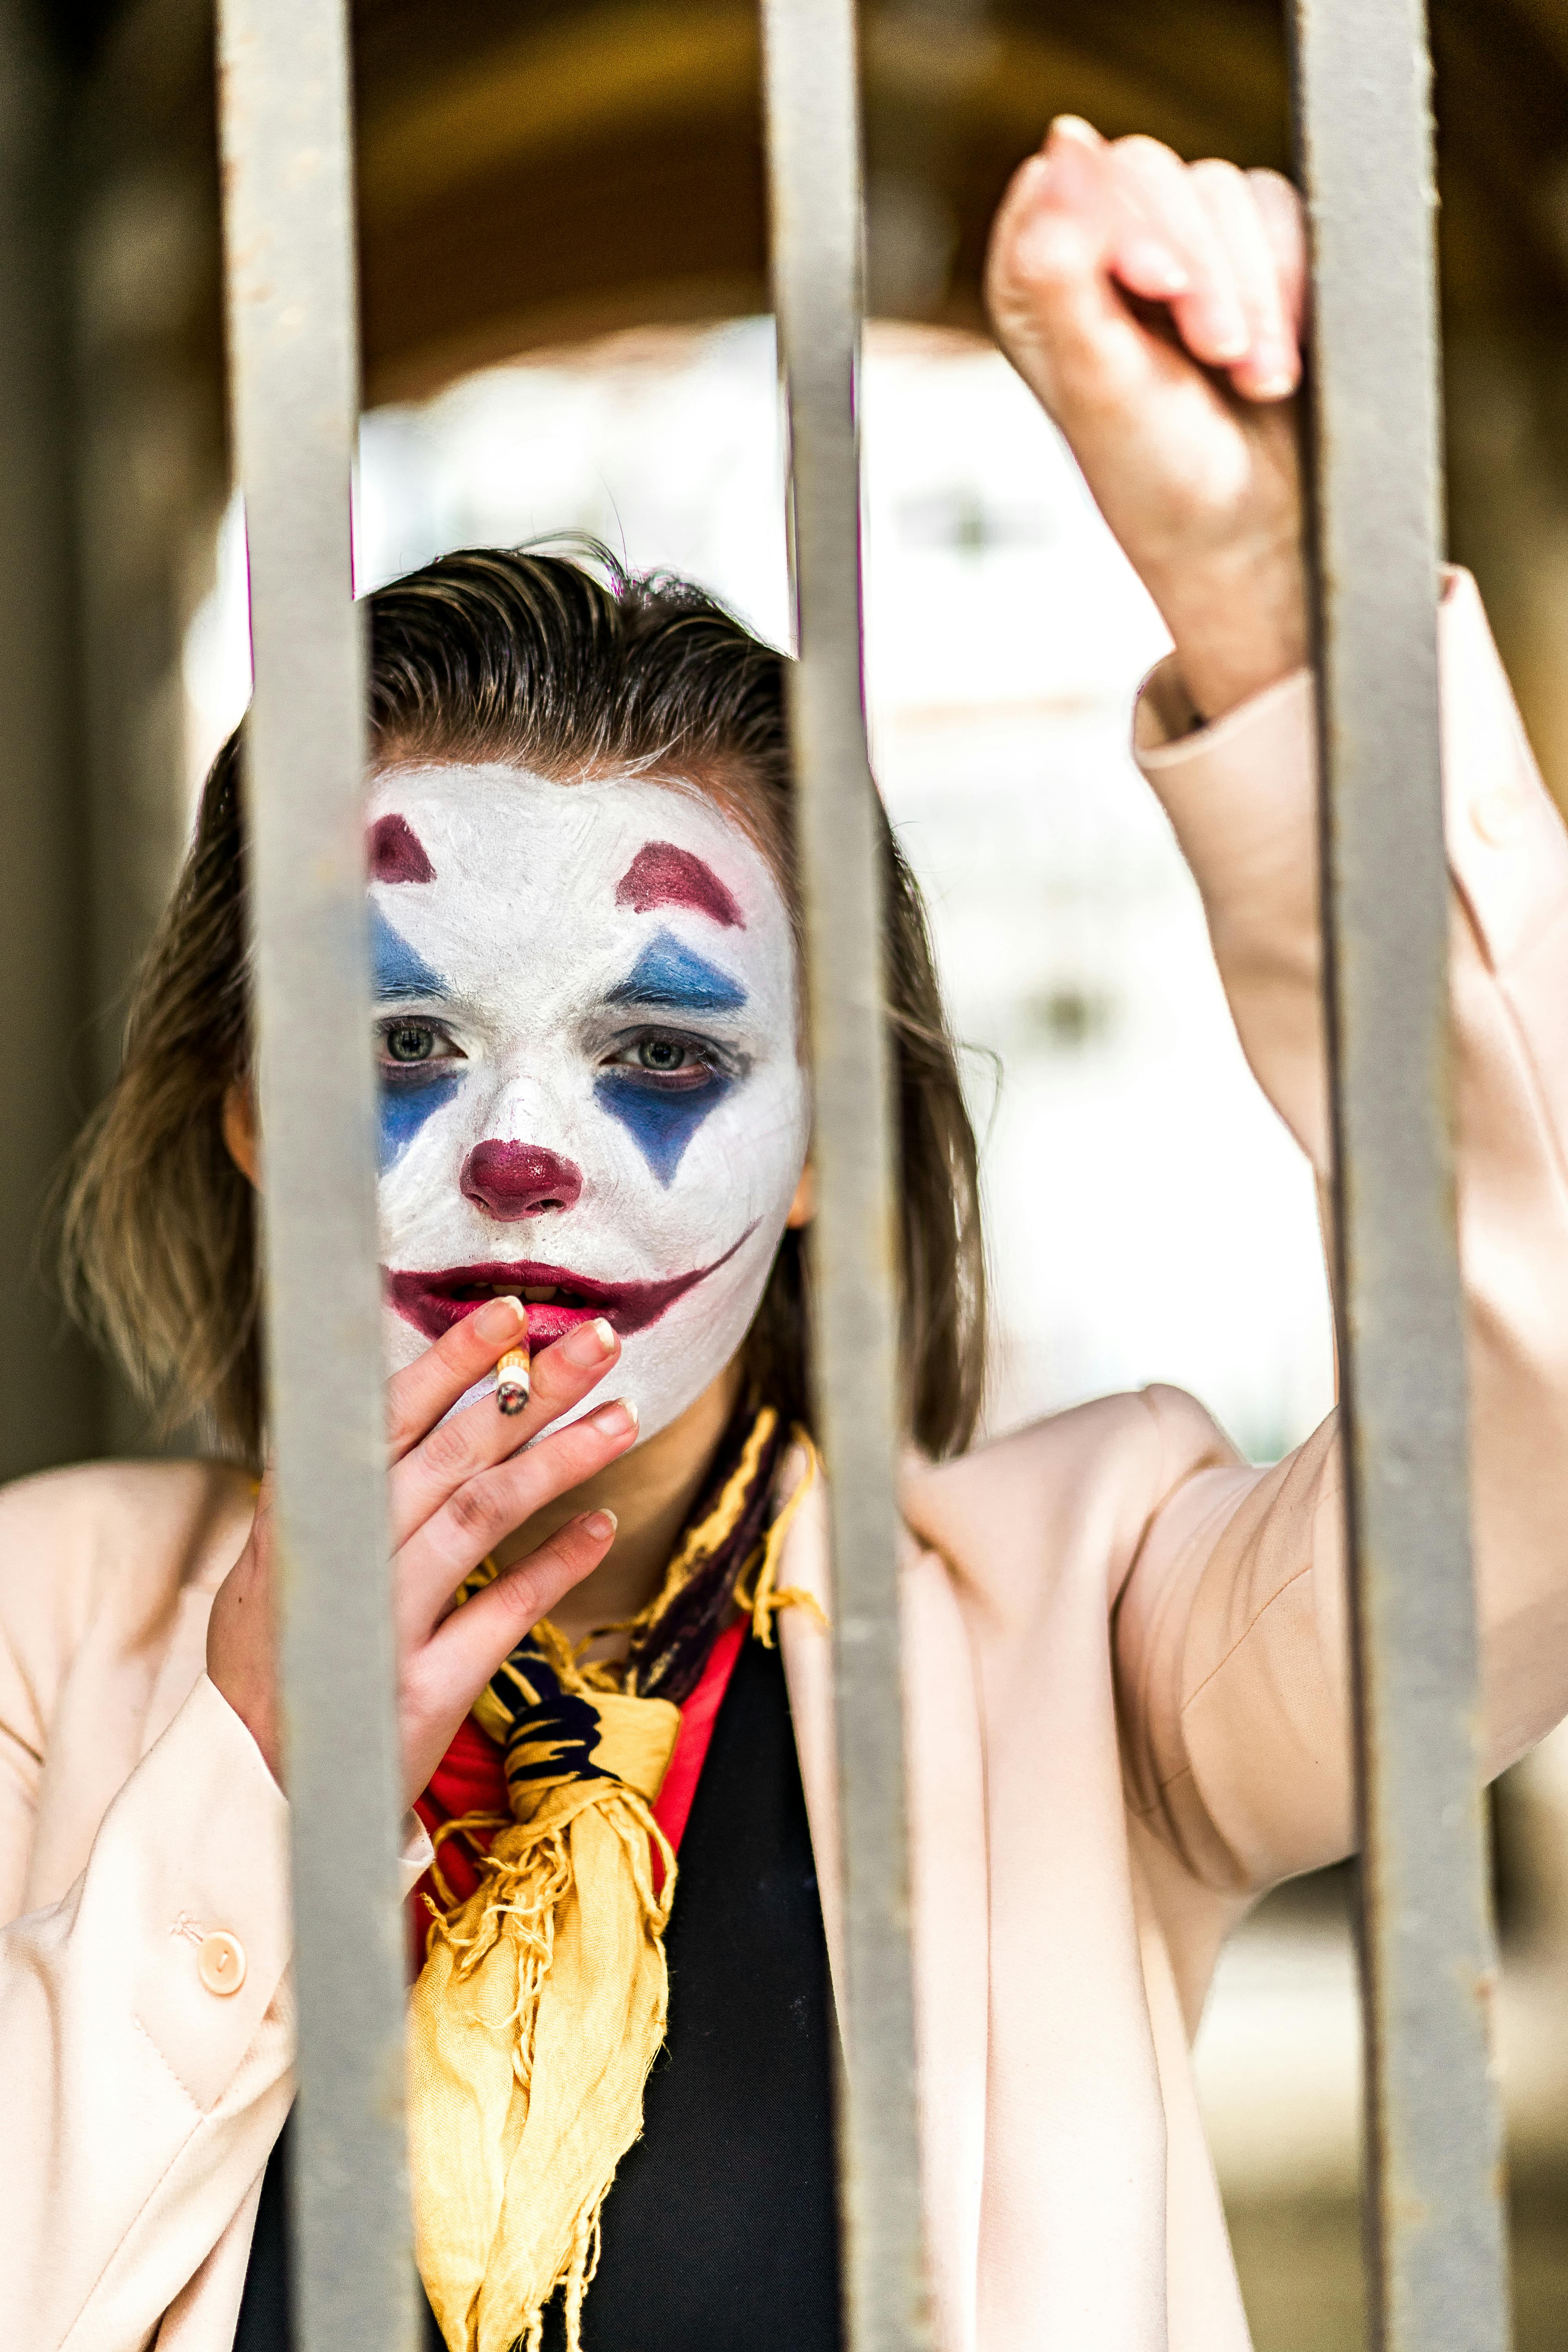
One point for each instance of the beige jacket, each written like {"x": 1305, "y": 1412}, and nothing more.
{"x": 1125, "y": 1652}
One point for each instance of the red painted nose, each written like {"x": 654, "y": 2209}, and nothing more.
{"x": 518, "y": 1180}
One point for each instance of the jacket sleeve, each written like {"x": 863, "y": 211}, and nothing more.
{"x": 1232, "y": 1627}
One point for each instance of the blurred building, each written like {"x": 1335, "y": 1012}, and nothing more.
{"x": 563, "y": 272}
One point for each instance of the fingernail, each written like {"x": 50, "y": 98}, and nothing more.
{"x": 590, "y": 1343}
{"x": 600, "y": 1525}
{"x": 1273, "y": 371}
{"x": 1228, "y": 338}
{"x": 500, "y": 1319}
{"x": 1074, "y": 127}
{"x": 615, "y": 1420}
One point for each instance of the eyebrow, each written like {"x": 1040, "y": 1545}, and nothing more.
{"x": 672, "y": 977}
{"x": 396, "y": 854}
{"x": 661, "y": 875}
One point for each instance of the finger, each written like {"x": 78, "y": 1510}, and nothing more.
{"x": 1048, "y": 280}
{"x": 471, "y": 1441}
{"x": 1162, "y": 200}
{"x": 473, "y": 1521}
{"x": 1270, "y": 369}
{"x": 468, "y": 1646}
{"x": 1065, "y": 179}
{"x": 1284, "y": 221}
{"x": 418, "y": 1396}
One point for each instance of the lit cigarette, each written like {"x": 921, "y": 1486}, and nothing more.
{"x": 512, "y": 1378}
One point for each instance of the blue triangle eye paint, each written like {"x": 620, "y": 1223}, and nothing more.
{"x": 675, "y": 979}
{"x": 397, "y": 969}
{"x": 406, "y": 1102}
{"x": 660, "y": 1123}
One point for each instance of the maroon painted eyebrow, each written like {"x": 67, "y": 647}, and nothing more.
{"x": 660, "y": 875}
{"x": 396, "y": 852}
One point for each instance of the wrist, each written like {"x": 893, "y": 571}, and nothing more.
{"x": 1237, "y": 626}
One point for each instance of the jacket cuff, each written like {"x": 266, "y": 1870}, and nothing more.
{"x": 192, "y": 1862}
{"x": 189, "y": 1876}
{"x": 1167, "y": 729}
{"x": 1241, "y": 794}
{"x": 414, "y": 1850}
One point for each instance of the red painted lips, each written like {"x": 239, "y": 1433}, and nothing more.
{"x": 433, "y": 1302}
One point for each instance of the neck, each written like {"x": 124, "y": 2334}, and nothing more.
{"x": 651, "y": 1490}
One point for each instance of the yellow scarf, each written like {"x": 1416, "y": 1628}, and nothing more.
{"x": 541, "y": 2004}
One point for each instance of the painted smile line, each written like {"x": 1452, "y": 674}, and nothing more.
{"x": 556, "y": 1298}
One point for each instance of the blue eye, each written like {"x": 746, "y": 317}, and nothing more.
{"x": 668, "y": 1061}
{"x": 411, "y": 1040}
{"x": 408, "y": 1048}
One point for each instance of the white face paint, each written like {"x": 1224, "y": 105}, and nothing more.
{"x": 589, "y": 1083}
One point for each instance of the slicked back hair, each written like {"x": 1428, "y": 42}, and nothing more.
{"x": 570, "y": 666}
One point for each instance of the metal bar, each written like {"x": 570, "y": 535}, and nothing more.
{"x": 1434, "y": 2149}
{"x": 288, "y": 230}
{"x": 814, "y": 149}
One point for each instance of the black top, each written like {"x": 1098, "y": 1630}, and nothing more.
{"x": 720, "y": 2231}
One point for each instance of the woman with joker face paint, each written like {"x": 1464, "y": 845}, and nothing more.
{"x": 1124, "y": 1646}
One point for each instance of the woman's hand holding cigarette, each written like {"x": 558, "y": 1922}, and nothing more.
{"x": 1155, "y": 309}
{"x": 457, "y": 1488}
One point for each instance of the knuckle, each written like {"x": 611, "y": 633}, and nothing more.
{"x": 472, "y": 1512}
{"x": 551, "y": 1468}
{"x": 520, "y": 1594}
{"x": 415, "y": 1685}
{"x": 457, "y": 1342}
{"x": 447, "y": 1451}
{"x": 1146, "y": 153}
{"x": 1048, "y": 261}
{"x": 402, "y": 1425}
{"x": 551, "y": 1374}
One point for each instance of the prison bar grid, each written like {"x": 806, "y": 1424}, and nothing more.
{"x": 1433, "y": 2143}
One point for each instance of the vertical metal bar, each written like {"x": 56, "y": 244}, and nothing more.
{"x": 288, "y": 226}
{"x": 1439, "y": 2281}
{"x": 814, "y": 148}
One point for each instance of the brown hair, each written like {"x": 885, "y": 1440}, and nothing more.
{"x": 575, "y": 668}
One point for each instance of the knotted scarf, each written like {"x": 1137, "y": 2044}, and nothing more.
{"x": 542, "y": 2003}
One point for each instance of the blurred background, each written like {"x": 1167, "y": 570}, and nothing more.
{"x": 565, "y": 329}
